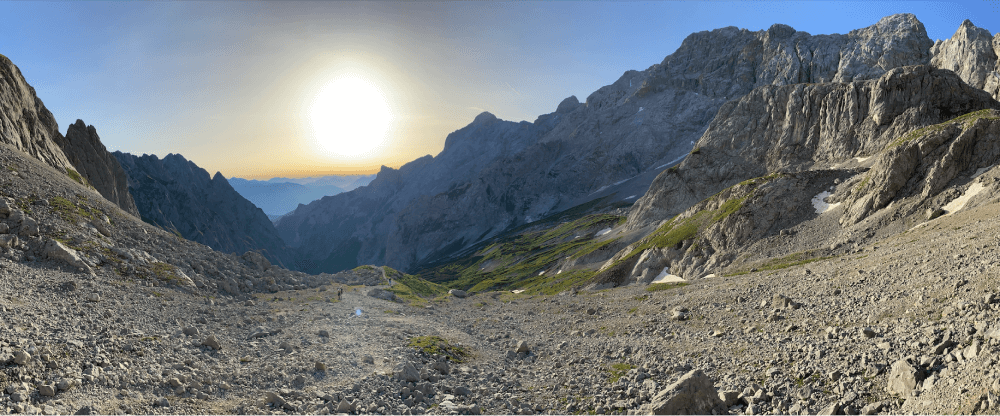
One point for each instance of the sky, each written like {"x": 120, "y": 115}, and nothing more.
{"x": 245, "y": 88}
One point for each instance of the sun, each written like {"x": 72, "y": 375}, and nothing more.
{"x": 350, "y": 117}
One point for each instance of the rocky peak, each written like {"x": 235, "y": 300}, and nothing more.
{"x": 176, "y": 194}
{"x": 484, "y": 117}
{"x": 567, "y": 105}
{"x": 96, "y": 165}
{"x": 969, "y": 53}
{"x": 25, "y": 123}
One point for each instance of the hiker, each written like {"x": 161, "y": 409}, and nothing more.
{"x": 340, "y": 292}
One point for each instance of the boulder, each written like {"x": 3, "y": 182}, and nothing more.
{"x": 54, "y": 250}
{"x": 693, "y": 394}
{"x": 407, "y": 372}
{"x": 458, "y": 293}
{"x": 382, "y": 294}
{"x": 904, "y": 378}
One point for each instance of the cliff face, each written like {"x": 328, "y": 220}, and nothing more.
{"x": 83, "y": 147}
{"x": 25, "y": 123}
{"x": 28, "y": 126}
{"x": 644, "y": 121}
{"x": 176, "y": 194}
{"x": 801, "y": 127}
{"x": 341, "y": 231}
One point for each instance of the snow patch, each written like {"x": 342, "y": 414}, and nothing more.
{"x": 666, "y": 277}
{"x": 862, "y": 159}
{"x": 959, "y": 203}
{"x": 631, "y": 197}
{"x": 820, "y": 204}
{"x": 541, "y": 272}
{"x": 602, "y": 232}
{"x": 517, "y": 291}
{"x": 559, "y": 272}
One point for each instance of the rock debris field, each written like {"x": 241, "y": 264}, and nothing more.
{"x": 101, "y": 313}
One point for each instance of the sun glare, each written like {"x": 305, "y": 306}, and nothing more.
{"x": 350, "y": 117}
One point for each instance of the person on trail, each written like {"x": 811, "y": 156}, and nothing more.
{"x": 340, "y": 292}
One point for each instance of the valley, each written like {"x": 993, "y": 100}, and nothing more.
{"x": 757, "y": 230}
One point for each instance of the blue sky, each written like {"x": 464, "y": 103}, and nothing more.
{"x": 226, "y": 84}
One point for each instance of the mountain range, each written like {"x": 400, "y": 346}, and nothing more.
{"x": 764, "y": 222}
{"x": 279, "y": 196}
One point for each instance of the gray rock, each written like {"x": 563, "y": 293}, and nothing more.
{"x": 96, "y": 166}
{"x": 407, "y": 372}
{"x": 47, "y": 390}
{"x": 382, "y": 294}
{"x": 521, "y": 347}
{"x": 693, "y": 393}
{"x": 458, "y": 293}
{"x": 191, "y": 331}
{"x": 54, "y": 250}
{"x": 22, "y": 357}
{"x": 212, "y": 342}
{"x": 832, "y": 409}
{"x": 969, "y": 52}
{"x": 904, "y": 378}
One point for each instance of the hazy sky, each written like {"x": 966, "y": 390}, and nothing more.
{"x": 230, "y": 85}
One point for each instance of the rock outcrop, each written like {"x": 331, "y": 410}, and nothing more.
{"x": 645, "y": 120}
{"x": 98, "y": 167}
{"x": 799, "y": 127}
{"x": 177, "y": 195}
{"x": 25, "y": 123}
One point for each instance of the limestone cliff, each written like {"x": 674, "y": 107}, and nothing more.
{"x": 801, "y": 127}
{"x": 643, "y": 121}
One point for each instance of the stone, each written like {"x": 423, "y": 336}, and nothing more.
{"x": 55, "y": 250}
{"x": 276, "y": 400}
{"x": 324, "y": 333}
{"x": 729, "y": 397}
{"x": 972, "y": 351}
{"x": 382, "y": 294}
{"x": 521, "y": 347}
{"x": 441, "y": 366}
{"x": 47, "y": 390}
{"x": 22, "y": 358}
{"x": 779, "y": 301}
{"x": 904, "y": 378}
{"x": 458, "y": 293}
{"x": 191, "y": 331}
{"x": 212, "y": 342}
{"x": 344, "y": 406}
{"x": 8, "y": 240}
{"x": 871, "y": 408}
{"x": 320, "y": 366}
{"x": 693, "y": 393}
{"x": 93, "y": 297}
{"x": 91, "y": 410}
{"x": 407, "y": 372}
{"x": 832, "y": 409}
{"x": 868, "y": 333}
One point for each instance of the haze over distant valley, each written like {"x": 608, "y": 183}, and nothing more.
{"x": 279, "y": 196}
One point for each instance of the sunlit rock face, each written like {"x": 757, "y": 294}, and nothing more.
{"x": 645, "y": 120}
{"x": 176, "y": 194}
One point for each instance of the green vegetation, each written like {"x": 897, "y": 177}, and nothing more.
{"x": 164, "y": 271}
{"x": 696, "y": 150}
{"x": 965, "y": 120}
{"x": 656, "y": 287}
{"x": 526, "y": 260}
{"x": 618, "y": 370}
{"x": 678, "y": 230}
{"x": 69, "y": 211}
{"x": 364, "y": 267}
{"x": 440, "y": 346}
{"x": 413, "y": 289}
{"x": 795, "y": 259}
{"x": 74, "y": 175}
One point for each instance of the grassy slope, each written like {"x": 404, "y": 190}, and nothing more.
{"x": 515, "y": 262}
